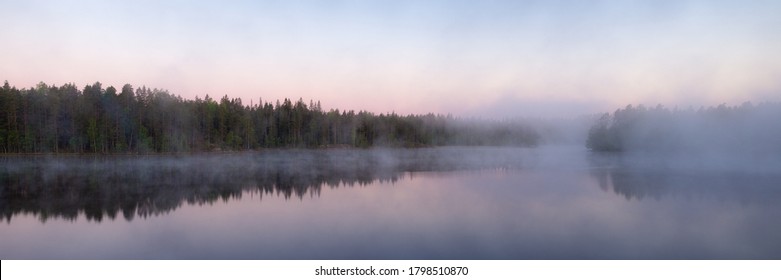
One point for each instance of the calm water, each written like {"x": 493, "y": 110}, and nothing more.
{"x": 444, "y": 203}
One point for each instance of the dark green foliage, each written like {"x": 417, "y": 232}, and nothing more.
{"x": 51, "y": 119}
{"x": 602, "y": 136}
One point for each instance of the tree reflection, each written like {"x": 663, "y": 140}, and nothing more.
{"x": 141, "y": 186}
{"x": 638, "y": 177}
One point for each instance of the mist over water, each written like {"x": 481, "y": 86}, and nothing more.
{"x": 104, "y": 186}
{"x": 390, "y": 130}
{"x": 550, "y": 202}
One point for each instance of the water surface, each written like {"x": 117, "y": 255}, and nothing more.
{"x": 439, "y": 203}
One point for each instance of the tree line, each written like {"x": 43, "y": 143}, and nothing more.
{"x": 65, "y": 119}
{"x": 748, "y": 129}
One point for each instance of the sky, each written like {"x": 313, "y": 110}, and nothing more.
{"x": 497, "y": 59}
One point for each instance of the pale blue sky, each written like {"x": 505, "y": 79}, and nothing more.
{"x": 488, "y": 58}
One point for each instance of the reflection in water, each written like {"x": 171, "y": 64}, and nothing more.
{"x": 637, "y": 177}
{"x": 544, "y": 203}
{"x": 104, "y": 187}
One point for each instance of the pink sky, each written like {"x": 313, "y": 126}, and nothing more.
{"x": 495, "y": 59}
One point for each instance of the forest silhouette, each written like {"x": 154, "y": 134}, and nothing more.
{"x": 98, "y": 120}
{"x": 747, "y": 130}
{"x": 64, "y": 119}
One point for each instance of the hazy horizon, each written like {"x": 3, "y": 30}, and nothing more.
{"x": 495, "y": 59}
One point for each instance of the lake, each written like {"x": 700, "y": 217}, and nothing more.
{"x": 550, "y": 202}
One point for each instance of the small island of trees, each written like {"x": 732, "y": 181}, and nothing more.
{"x": 750, "y": 130}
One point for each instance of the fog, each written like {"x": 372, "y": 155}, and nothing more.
{"x": 643, "y": 176}
{"x": 107, "y": 186}
{"x": 745, "y": 137}
{"x": 637, "y": 183}
{"x": 552, "y": 201}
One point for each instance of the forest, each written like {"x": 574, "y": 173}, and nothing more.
{"x": 64, "y": 119}
{"x": 748, "y": 129}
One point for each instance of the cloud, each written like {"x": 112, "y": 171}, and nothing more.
{"x": 516, "y": 106}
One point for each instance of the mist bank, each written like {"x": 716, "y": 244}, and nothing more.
{"x": 64, "y": 119}
{"x": 108, "y": 187}
{"x": 716, "y": 133}
{"x": 101, "y": 188}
